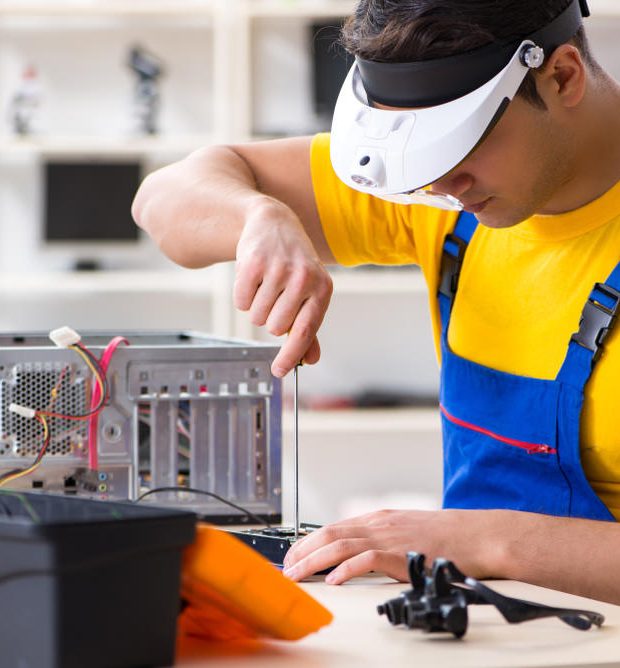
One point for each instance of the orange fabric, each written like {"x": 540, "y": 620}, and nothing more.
{"x": 234, "y": 593}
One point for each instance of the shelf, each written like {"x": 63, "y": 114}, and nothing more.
{"x": 202, "y": 281}
{"x": 338, "y": 8}
{"x": 600, "y": 8}
{"x": 71, "y": 146}
{"x": 374, "y": 421}
{"x": 110, "y": 8}
{"x": 201, "y": 8}
{"x": 300, "y": 8}
{"x": 379, "y": 281}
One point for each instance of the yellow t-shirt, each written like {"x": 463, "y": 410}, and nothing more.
{"x": 521, "y": 291}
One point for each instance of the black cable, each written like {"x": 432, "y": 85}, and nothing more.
{"x": 5, "y": 508}
{"x": 193, "y": 490}
{"x": 32, "y": 513}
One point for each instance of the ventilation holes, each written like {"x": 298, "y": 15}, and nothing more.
{"x": 55, "y": 388}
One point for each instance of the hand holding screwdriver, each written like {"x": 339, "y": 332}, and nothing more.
{"x": 283, "y": 284}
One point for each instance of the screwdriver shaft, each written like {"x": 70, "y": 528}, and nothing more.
{"x": 296, "y": 449}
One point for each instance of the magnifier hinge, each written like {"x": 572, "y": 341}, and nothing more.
{"x": 532, "y": 56}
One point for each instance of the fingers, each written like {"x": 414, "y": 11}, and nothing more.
{"x": 296, "y": 294}
{"x": 392, "y": 564}
{"x": 290, "y": 355}
{"x": 352, "y": 554}
{"x": 376, "y": 541}
{"x": 249, "y": 277}
{"x": 301, "y": 343}
{"x": 318, "y": 539}
{"x": 313, "y": 353}
{"x": 328, "y": 555}
{"x": 286, "y": 297}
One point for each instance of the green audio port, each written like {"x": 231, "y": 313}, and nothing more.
{"x": 103, "y": 487}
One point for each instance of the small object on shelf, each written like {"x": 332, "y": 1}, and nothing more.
{"x": 147, "y": 99}
{"x": 25, "y": 102}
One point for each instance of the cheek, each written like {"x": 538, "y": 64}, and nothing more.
{"x": 504, "y": 165}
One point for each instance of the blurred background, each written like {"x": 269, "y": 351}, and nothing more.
{"x": 95, "y": 94}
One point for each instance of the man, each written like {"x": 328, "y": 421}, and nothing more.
{"x": 500, "y": 108}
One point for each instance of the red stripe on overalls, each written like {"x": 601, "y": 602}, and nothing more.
{"x": 532, "y": 448}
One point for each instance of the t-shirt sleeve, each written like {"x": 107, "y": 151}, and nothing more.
{"x": 362, "y": 229}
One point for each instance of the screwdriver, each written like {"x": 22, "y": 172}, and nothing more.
{"x": 296, "y": 447}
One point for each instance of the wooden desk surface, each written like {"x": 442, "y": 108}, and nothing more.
{"x": 358, "y": 636}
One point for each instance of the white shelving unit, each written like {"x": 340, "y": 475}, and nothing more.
{"x": 232, "y": 29}
{"x": 306, "y": 9}
{"x": 358, "y": 460}
{"x": 81, "y": 8}
{"x": 405, "y": 281}
{"x": 121, "y": 300}
{"x": 604, "y": 8}
{"x": 71, "y": 146}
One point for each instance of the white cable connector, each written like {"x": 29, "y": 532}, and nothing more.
{"x": 64, "y": 337}
{"x": 24, "y": 411}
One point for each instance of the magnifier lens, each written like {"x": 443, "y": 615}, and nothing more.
{"x": 427, "y": 197}
{"x": 438, "y": 200}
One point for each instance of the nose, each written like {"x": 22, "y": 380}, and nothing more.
{"x": 453, "y": 183}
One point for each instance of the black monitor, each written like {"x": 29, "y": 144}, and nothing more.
{"x": 330, "y": 64}
{"x": 90, "y": 201}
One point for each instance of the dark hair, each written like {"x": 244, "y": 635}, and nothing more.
{"x": 412, "y": 30}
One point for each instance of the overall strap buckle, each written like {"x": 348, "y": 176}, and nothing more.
{"x": 451, "y": 265}
{"x": 597, "y": 319}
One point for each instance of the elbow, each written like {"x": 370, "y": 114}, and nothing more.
{"x": 140, "y": 205}
{"x": 154, "y": 213}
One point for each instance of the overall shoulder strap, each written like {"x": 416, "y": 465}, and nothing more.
{"x": 597, "y": 320}
{"x": 454, "y": 248}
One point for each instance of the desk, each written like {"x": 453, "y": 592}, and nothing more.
{"x": 358, "y": 636}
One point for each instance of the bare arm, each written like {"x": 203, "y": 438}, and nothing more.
{"x": 195, "y": 209}
{"x": 253, "y": 203}
{"x": 573, "y": 555}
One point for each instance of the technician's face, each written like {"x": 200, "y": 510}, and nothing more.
{"x": 516, "y": 170}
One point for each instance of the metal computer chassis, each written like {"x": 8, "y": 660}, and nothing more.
{"x": 273, "y": 543}
{"x": 185, "y": 408}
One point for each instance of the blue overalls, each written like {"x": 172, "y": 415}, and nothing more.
{"x": 512, "y": 441}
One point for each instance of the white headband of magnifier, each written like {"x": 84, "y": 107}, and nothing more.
{"x": 394, "y": 154}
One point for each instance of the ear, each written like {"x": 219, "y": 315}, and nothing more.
{"x": 563, "y": 78}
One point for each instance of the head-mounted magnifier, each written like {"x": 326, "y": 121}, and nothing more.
{"x": 445, "y": 108}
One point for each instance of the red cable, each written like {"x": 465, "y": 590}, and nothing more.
{"x": 93, "y": 422}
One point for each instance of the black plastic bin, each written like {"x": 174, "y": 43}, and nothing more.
{"x": 88, "y": 584}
